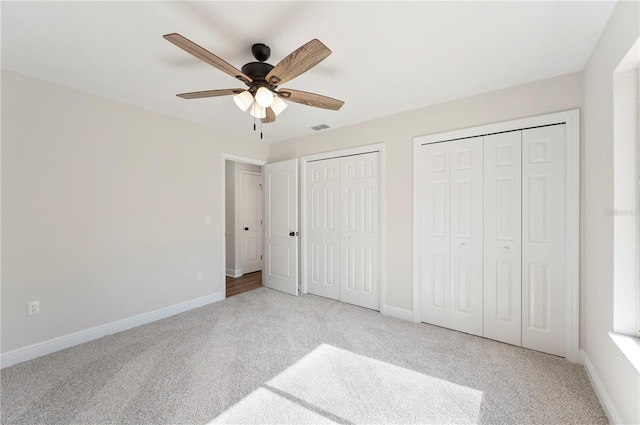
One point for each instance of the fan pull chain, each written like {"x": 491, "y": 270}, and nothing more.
{"x": 261, "y": 127}
{"x": 254, "y": 123}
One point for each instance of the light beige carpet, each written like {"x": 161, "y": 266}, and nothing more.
{"x": 267, "y": 357}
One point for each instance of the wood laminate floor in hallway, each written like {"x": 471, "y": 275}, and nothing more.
{"x": 244, "y": 283}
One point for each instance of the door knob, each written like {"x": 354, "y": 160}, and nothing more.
{"x": 462, "y": 245}
{"x": 246, "y": 228}
{"x": 505, "y": 249}
{"x": 292, "y": 234}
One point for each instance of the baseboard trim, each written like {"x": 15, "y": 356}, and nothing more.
{"x": 398, "y": 313}
{"x": 56, "y": 344}
{"x": 234, "y": 272}
{"x": 601, "y": 392}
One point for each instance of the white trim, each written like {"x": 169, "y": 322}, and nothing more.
{"x": 572, "y": 129}
{"x": 601, "y": 392}
{"x": 572, "y": 235}
{"x": 629, "y": 346}
{"x": 236, "y": 158}
{"x": 56, "y": 344}
{"x": 378, "y": 147}
{"x": 398, "y": 313}
{"x": 234, "y": 272}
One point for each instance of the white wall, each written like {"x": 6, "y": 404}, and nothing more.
{"x": 103, "y": 208}
{"x": 619, "y": 379}
{"x": 397, "y": 132}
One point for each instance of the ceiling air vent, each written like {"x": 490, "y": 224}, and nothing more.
{"x": 320, "y": 127}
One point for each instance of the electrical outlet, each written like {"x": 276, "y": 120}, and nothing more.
{"x": 199, "y": 276}
{"x": 33, "y": 307}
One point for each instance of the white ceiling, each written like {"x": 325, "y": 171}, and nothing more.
{"x": 388, "y": 57}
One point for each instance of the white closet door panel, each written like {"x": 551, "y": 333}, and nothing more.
{"x": 360, "y": 236}
{"x": 502, "y": 237}
{"x": 434, "y": 257}
{"x": 543, "y": 239}
{"x": 323, "y": 238}
{"x": 466, "y": 262}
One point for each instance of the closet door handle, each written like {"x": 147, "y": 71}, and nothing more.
{"x": 462, "y": 245}
{"x": 505, "y": 249}
{"x": 246, "y": 228}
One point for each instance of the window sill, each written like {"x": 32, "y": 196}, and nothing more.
{"x": 629, "y": 346}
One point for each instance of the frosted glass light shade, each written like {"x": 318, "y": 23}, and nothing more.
{"x": 264, "y": 97}
{"x": 258, "y": 111}
{"x": 243, "y": 100}
{"x": 278, "y": 105}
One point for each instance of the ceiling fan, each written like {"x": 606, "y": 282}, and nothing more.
{"x": 263, "y": 95}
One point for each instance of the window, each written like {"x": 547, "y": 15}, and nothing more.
{"x": 626, "y": 208}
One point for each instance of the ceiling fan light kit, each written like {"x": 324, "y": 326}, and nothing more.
{"x": 244, "y": 100}
{"x": 262, "y": 98}
{"x": 258, "y": 111}
{"x": 278, "y": 105}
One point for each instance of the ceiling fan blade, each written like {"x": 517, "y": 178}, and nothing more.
{"x": 298, "y": 62}
{"x": 209, "y": 93}
{"x": 205, "y": 55}
{"x": 271, "y": 116}
{"x": 310, "y": 99}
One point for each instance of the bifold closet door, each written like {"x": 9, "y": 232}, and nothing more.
{"x": 359, "y": 230}
{"x": 502, "y": 237}
{"x": 435, "y": 235}
{"x": 452, "y": 227}
{"x": 466, "y": 235}
{"x": 323, "y": 228}
{"x": 543, "y": 239}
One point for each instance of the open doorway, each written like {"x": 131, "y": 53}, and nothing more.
{"x": 243, "y": 226}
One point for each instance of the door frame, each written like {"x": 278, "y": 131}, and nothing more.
{"x": 378, "y": 147}
{"x": 571, "y": 119}
{"x": 242, "y": 174}
{"x": 236, "y": 158}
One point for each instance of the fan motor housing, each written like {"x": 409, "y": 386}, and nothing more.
{"x": 257, "y": 70}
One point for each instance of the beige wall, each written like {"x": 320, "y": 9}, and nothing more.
{"x": 620, "y": 380}
{"x": 103, "y": 208}
{"x": 397, "y": 132}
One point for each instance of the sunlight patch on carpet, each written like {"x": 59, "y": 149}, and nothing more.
{"x": 332, "y": 385}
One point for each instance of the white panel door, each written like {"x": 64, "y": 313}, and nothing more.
{"x": 502, "y": 237}
{"x": 323, "y": 228}
{"x": 543, "y": 239}
{"x": 434, "y": 258}
{"x": 466, "y": 261}
{"x": 359, "y": 230}
{"x": 281, "y": 226}
{"x": 251, "y": 222}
